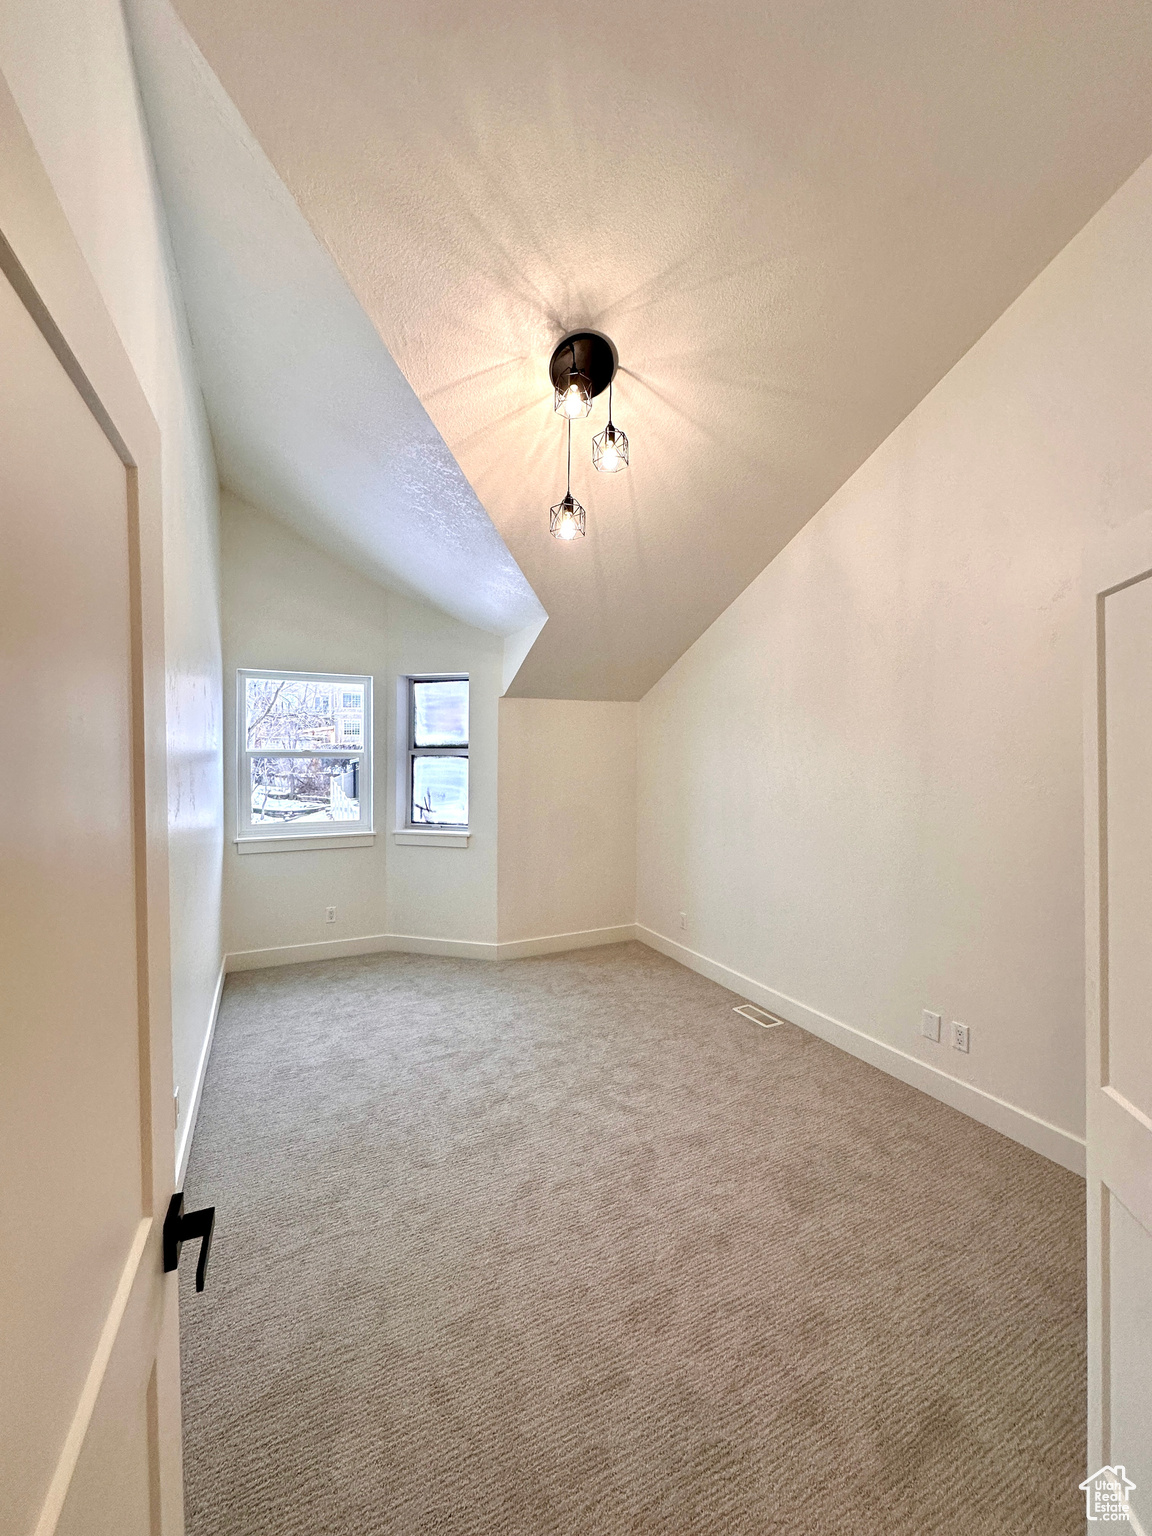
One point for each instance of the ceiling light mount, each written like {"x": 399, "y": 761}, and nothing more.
{"x": 582, "y": 367}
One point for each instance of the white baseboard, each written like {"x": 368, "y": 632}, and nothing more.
{"x": 185, "y": 1144}
{"x": 371, "y": 944}
{"x": 557, "y": 943}
{"x": 415, "y": 944}
{"x": 1049, "y": 1140}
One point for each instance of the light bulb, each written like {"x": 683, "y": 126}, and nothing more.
{"x": 567, "y": 519}
{"x": 610, "y": 450}
{"x": 575, "y": 398}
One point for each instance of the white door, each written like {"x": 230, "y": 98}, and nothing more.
{"x": 1119, "y": 910}
{"x": 89, "y": 1405}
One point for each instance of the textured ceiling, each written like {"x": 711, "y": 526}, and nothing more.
{"x": 791, "y": 218}
{"x": 311, "y": 418}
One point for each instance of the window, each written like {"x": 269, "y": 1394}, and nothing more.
{"x": 437, "y": 752}
{"x": 305, "y": 766}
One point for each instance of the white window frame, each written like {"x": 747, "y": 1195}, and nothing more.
{"x": 425, "y": 829}
{"x": 309, "y": 833}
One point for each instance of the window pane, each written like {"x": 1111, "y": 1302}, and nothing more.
{"x": 294, "y": 789}
{"x": 441, "y": 714}
{"x": 440, "y": 791}
{"x": 285, "y": 713}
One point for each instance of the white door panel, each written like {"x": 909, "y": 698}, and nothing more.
{"x": 87, "y": 1348}
{"x": 1130, "y": 1312}
{"x": 1127, "y": 1042}
{"x": 70, "y": 1091}
{"x": 1118, "y": 826}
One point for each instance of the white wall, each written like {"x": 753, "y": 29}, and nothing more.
{"x": 863, "y": 784}
{"x": 567, "y": 818}
{"x": 69, "y": 68}
{"x": 287, "y": 604}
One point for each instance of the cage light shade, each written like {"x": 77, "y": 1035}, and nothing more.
{"x": 574, "y": 395}
{"x": 567, "y": 519}
{"x": 610, "y": 450}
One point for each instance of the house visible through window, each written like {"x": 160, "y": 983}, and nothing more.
{"x": 304, "y": 764}
{"x": 438, "y": 752}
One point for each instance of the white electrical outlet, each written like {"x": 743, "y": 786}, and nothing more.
{"x": 930, "y": 1025}
{"x": 683, "y": 919}
{"x": 959, "y": 1036}
{"x": 329, "y": 914}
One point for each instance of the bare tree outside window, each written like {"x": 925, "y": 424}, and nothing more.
{"x": 304, "y": 759}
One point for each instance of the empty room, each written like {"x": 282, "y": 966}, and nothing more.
{"x": 576, "y": 620}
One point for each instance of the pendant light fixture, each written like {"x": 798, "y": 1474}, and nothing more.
{"x": 567, "y": 519}
{"x": 610, "y": 447}
{"x": 573, "y": 388}
{"x": 583, "y": 366}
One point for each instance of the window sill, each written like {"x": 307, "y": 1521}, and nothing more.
{"x": 430, "y": 837}
{"x": 306, "y": 843}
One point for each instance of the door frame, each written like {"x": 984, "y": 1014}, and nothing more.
{"x": 1117, "y": 1133}
{"x": 41, "y": 259}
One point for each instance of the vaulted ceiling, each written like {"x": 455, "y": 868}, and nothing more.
{"x": 791, "y": 218}
{"x": 311, "y": 418}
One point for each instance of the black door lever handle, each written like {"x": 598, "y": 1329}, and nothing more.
{"x": 182, "y": 1227}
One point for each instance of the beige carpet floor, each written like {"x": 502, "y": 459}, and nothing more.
{"x": 565, "y": 1245}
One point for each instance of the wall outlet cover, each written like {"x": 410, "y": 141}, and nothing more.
{"x": 959, "y": 1036}
{"x": 930, "y": 1025}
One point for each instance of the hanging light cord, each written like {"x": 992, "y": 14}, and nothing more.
{"x": 569, "y": 456}
{"x": 609, "y": 405}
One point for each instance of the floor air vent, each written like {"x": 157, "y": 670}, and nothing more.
{"x": 758, "y": 1016}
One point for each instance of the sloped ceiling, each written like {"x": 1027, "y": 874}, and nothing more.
{"x": 791, "y": 218}
{"x": 311, "y": 418}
